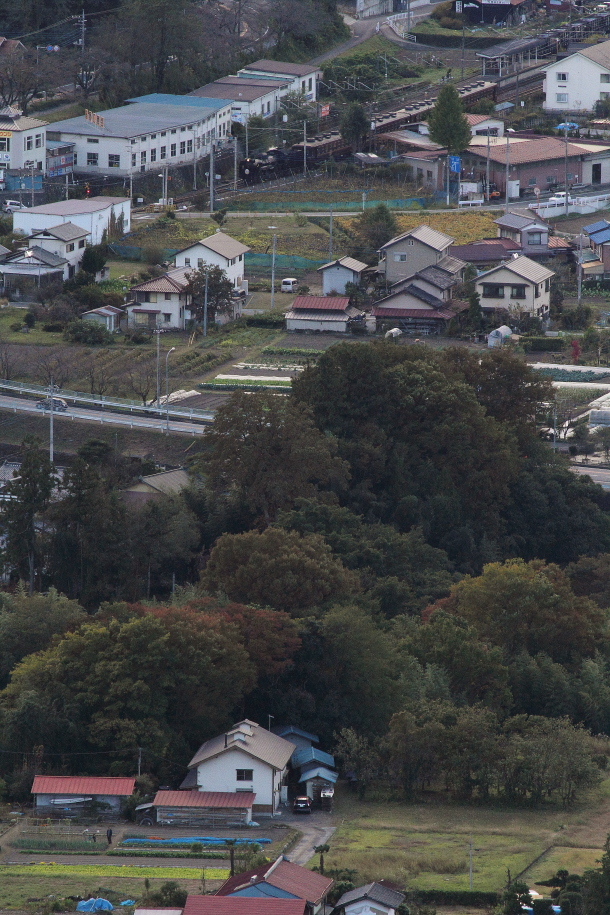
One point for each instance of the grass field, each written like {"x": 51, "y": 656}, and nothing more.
{"x": 426, "y": 845}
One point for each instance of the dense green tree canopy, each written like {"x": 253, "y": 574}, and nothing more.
{"x": 447, "y": 123}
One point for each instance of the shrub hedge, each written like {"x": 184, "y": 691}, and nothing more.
{"x": 474, "y": 898}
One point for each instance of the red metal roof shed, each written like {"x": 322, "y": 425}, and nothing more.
{"x": 67, "y": 785}
{"x": 242, "y": 905}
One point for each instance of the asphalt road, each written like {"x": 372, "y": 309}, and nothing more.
{"x": 598, "y": 474}
{"x": 105, "y": 417}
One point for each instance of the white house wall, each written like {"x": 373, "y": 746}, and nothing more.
{"x": 220, "y": 774}
{"x": 503, "y": 277}
{"x": 198, "y": 255}
{"x": 582, "y": 89}
{"x": 365, "y": 907}
{"x": 96, "y": 223}
{"x": 313, "y": 325}
{"x": 335, "y": 278}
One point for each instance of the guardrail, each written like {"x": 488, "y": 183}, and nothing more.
{"x": 575, "y": 205}
{"x": 114, "y": 403}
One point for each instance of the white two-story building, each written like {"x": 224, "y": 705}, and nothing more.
{"x": 218, "y": 250}
{"x": 302, "y": 78}
{"x": 577, "y": 82}
{"x": 145, "y": 135}
{"x": 247, "y": 758}
{"x": 22, "y": 140}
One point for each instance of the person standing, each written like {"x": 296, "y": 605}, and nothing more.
{"x": 109, "y": 835}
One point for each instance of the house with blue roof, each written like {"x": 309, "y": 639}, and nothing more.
{"x": 300, "y": 738}
{"x": 596, "y": 261}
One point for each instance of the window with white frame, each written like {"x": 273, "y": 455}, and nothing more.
{"x": 562, "y": 98}
{"x": 604, "y": 78}
{"x": 172, "y": 149}
{"x": 163, "y": 153}
{"x": 92, "y": 159}
{"x": 28, "y": 143}
{"x": 153, "y": 155}
{"x": 114, "y": 161}
{"x": 562, "y": 77}
{"x": 38, "y": 140}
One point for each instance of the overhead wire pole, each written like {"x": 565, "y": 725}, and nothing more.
{"x": 212, "y": 176}
{"x": 305, "y": 148}
{"x": 507, "y": 167}
{"x": 487, "y": 164}
{"x": 51, "y": 442}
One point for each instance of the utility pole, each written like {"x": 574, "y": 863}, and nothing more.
{"x": 194, "y": 161}
{"x": 169, "y": 352}
{"x": 67, "y": 191}
{"x": 234, "y": 163}
{"x": 470, "y": 867}
{"x": 52, "y": 395}
{"x": 447, "y": 164}
{"x": 330, "y": 234}
{"x": 82, "y": 32}
{"x": 463, "y": 42}
{"x": 579, "y": 269}
{"x": 139, "y": 761}
{"x": 158, "y": 333}
{"x": 305, "y": 149}
{"x": 212, "y": 176}
{"x": 205, "y": 307}
{"x": 247, "y": 138}
{"x": 507, "y": 167}
{"x": 273, "y": 273}
{"x": 32, "y": 180}
{"x": 566, "y": 169}
{"x": 487, "y": 165}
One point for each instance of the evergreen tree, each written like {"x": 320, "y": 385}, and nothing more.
{"x": 447, "y": 122}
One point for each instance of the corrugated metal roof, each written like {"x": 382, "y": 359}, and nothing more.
{"x": 284, "y": 875}
{"x": 242, "y": 905}
{"x": 312, "y": 754}
{"x": 222, "y": 244}
{"x": 451, "y": 264}
{"x": 556, "y": 242}
{"x": 350, "y": 263}
{"x": 248, "y": 737}
{"x": 279, "y": 66}
{"x": 305, "y": 315}
{"x": 74, "y": 207}
{"x": 438, "y": 277}
{"x": 601, "y": 237}
{"x": 135, "y": 120}
{"x": 233, "y": 800}
{"x": 83, "y": 784}
{"x": 320, "y": 303}
{"x": 286, "y": 729}
{"x": 480, "y": 251}
{"x": 520, "y": 152}
{"x": 318, "y": 772}
{"x": 437, "y": 240}
{"x": 596, "y": 226}
{"x": 162, "y": 98}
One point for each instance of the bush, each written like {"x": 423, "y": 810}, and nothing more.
{"x": 543, "y": 344}
{"x": 53, "y": 327}
{"x": 89, "y": 332}
{"x": 268, "y": 319}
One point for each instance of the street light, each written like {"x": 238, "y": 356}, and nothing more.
{"x": 565, "y": 126}
{"x": 167, "y": 388}
{"x": 273, "y": 268}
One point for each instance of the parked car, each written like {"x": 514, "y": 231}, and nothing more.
{"x": 559, "y": 197}
{"x": 9, "y": 206}
{"x": 289, "y": 284}
{"x": 59, "y": 405}
{"x": 301, "y": 805}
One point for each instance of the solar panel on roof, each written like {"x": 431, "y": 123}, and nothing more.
{"x": 596, "y": 226}
{"x": 601, "y": 237}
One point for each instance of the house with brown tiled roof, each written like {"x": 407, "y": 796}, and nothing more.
{"x": 161, "y": 302}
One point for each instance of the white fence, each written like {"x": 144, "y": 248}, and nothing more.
{"x": 582, "y": 205}
{"x": 400, "y": 22}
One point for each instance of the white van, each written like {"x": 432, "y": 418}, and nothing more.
{"x": 289, "y": 284}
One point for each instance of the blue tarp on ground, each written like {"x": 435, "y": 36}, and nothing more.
{"x": 188, "y": 840}
{"x": 94, "y": 905}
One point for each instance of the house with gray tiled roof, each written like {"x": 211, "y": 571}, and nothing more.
{"x": 371, "y": 899}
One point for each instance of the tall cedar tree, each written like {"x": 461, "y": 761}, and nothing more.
{"x": 447, "y": 122}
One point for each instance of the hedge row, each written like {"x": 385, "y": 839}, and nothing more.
{"x": 165, "y": 853}
{"x": 543, "y": 344}
{"x": 474, "y": 898}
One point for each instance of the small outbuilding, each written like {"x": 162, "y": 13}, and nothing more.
{"x": 204, "y": 808}
{"x": 57, "y": 794}
{"x": 321, "y": 313}
{"x": 109, "y": 316}
{"x": 337, "y": 274}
